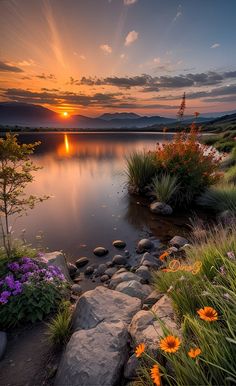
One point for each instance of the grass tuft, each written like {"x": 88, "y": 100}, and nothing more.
{"x": 59, "y": 328}
{"x": 165, "y": 186}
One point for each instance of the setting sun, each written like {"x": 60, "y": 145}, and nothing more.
{"x": 65, "y": 114}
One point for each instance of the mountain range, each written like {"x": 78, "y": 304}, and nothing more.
{"x": 24, "y": 114}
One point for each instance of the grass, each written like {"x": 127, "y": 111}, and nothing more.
{"x": 230, "y": 175}
{"x": 19, "y": 250}
{"x": 219, "y": 198}
{"x": 164, "y": 187}
{"x": 59, "y": 328}
{"x": 140, "y": 169}
{"x": 224, "y": 142}
{"x": 213, "y": 286}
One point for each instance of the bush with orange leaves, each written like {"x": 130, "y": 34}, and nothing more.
{"x": 195, "y": 165}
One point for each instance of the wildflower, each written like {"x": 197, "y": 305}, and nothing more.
{"x": 194, "y": 352}
{"x": 170, "y": 344}
{"x": 170, "y": 289}
{"x": 163, "y": 256}
{"x": 4, "y": 297}
{"x": 231, "y": 255}
{"x": 13, "y": 266}
{"x": 155, "y": 375}
{"x": 140, "y": 350}
{"x": 226, "y": 296}
{"x": 208, "y": 314}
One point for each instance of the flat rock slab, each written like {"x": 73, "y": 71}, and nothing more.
{"x": 94, "y": 357}
{"x": 103, "y": 304}
{"x": 134, "y": 288}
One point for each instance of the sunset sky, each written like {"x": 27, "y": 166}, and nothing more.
{"x": 95, "y": 56}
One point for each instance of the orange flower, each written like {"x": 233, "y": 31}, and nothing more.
{"x": 140, "y": 350}
{"x": 155, "y": 375}
{"x": 208, "y": 314}
{"x": 170, "y": 344}
{"x": 194, "y": 352}
{"x": 163, "y": 256}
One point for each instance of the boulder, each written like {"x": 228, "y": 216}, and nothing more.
{"x": 144, "y": 273}
{"x": 145, "y": 245}
{"x": 119, "y": 260}
{"x": 103, "y": 304}
{"x": 151, "y": 261}
{"x": 76, "y": 289}
{"x": 120, "y": 277}
{"x": 134, "y": 288}
{"x": 81, "y": 262}
{"x": 119, "y": 244}
{"x": 58, "y": 259}
{"x": 100, "y": 251}
{"x": 178, "y": 241}
{"x": 3, "y": 343}
{"x": 130, "y": 370}
{"x": 95, "y": 356}
{"x": 161, "y": 208}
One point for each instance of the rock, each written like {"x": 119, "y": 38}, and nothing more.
{"x": 103, "y": 304}
{"x": 134, "y": 288}
{"x": 77, "y": 289}
{"x": 104, "y": 278}
{"x": 81, "y": 262}
{"x": 100, "y": 251}
{"x": 100, "y": 270}
{"x": 146, "y": 328}
{"x": 151, "y": 261}
{"x": 145, "y": 245}
{"x": 178, "y": 241}
{"x": 58, "y": 259}
{"x": 130, "y": 370}
{"x": 126, "y": 253}
{"x": 109, "y": 264}
{"x": 89, "y": 270}
{"x": 153, "y": 298}
{"x": 119, "y": 260}
{"x": 161, "y": 208}
{"x": 119, "y": 244}
{"x": 72, "y": 269}
{"x": 95, "y": 356}
{"x": 110, "y": 271}
{"x": 144, "y": 273}
{"x": 120, "y": 277}
{"x": 3, "y": 343}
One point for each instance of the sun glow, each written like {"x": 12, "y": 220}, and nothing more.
{"x": 65, "y": 114}
{"x": 67, "y": 145}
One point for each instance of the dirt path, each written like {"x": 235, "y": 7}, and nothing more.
{"x": 29, "y": 360}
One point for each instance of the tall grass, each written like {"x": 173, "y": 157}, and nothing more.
{"x": 164, "y": 187}
{"x": 219, "y": 198}
{"x": 230, "y": 175}
{"x": 140, "y": 169}
{"x": 59, "y": 328}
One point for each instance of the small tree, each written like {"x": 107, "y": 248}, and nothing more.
{"x": 16, "y": 170}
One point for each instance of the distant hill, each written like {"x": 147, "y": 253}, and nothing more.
{"x": 23, "y": 114}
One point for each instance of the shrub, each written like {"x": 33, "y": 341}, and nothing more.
{"x": 29, "y": 291}
{"x": 195, "y": 165}
{"x": 225, "y": 146}
{"x": 164, "y": 187}
{"x": 140, "y": 169}
{"x": 230, "y": 175}
{"x": 59, "y": 327}
{"x": 219, "y": 198}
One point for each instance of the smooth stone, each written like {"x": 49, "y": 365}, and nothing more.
{"x": 76, "y": 289}
{"x": 100, "y": 270}
{"x": 72, "y": 269}
{"x": 145, "y": 245}
{"x": 144, "y": 273}
{"x": 109, "y": 264}
{"x": 126, "y": 253}
{"x": 104, "y": 278}
{"x": 94, "y": 356}
{"x": 100, "y": 251}
{"x": 81, "y": 262}
{"x": 3, "y": 343}
{"x": 89, "y": 270}
{"x": 110, "y": 271}
{"x": 119, "y": 244}
{"x": 119, "y": 260}
{"x": 103, "y": 304}
{"x": 150, "y": 261}
{"x": 134, "y": 288}
{"x": 123, "y": 276}
{"x": 178, "y": 241}
{"x": 130, "y": 370}
{"x": 161, "y": 208}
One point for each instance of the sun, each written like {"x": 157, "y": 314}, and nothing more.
{"x": 65, "y": 114}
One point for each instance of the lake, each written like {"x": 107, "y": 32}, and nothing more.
{"x": 85, "y": 175}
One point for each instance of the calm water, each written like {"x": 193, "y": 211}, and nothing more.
{"x": 90, "y": 207}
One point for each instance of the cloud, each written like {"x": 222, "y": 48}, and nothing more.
{"x": 130, "y": 2}
{"x": 46, "y": 77}
{"x": 178, "y": 13}
{"x": 26, "y": 63}
{"x": 215, "y": 45}
{"x": 106, "y": 48}
{"x": 4, "y": 67}
{"x": 131, "y": 38}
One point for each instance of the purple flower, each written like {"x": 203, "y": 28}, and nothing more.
{"x": 25, "y": 260}
{"x": 4, "y": 296}
{"x": 18, "y": 288}
{"x": 13, "y": 266}
{"x": 10, "y": 282}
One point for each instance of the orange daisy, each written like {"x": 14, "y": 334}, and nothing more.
{"x": 155, "y": 375}
{"x": 194, "y": 352}
{"x": 140, "y": 350}
{"x": 170, "y": 344}
{"x": 163, "y": 256}
{"x": 208, "y": 314}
